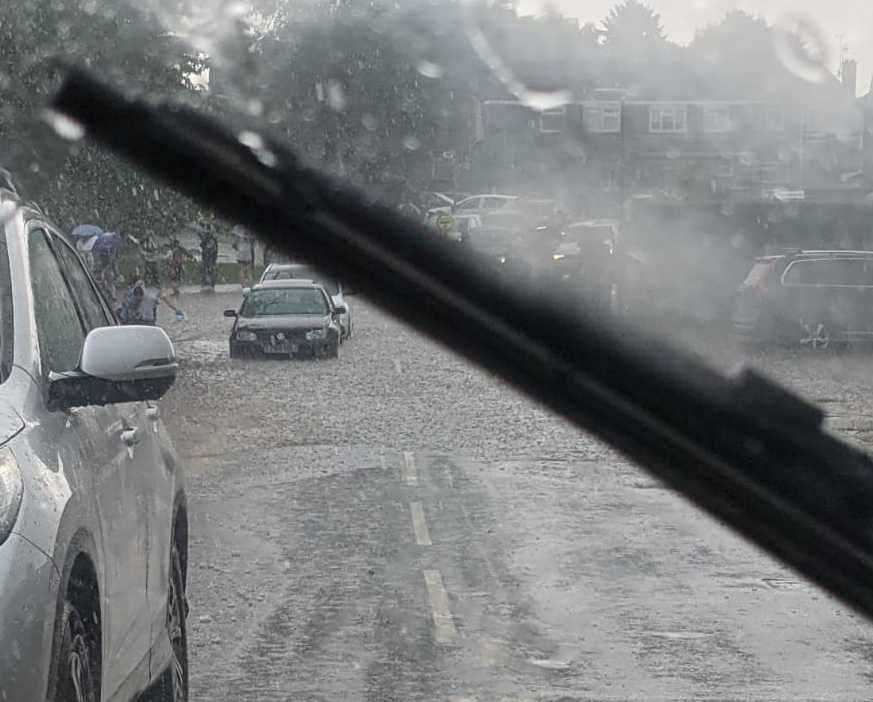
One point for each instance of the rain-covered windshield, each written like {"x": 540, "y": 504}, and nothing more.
{"x": 287, "y": 301}
{"x": 350, "y": 510}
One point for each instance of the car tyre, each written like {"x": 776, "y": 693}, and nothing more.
{"x": 78, "y": 660}
{"x": 235, "y": 353}
{"x": 172, "y": 686}
{"x": 816, "y": 336}
{"x": 333, "y": 351}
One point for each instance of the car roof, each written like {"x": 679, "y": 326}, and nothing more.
{"x": 286, "y": 266}
{"x": 288, "y": 283}
{"x": 593, "y": 223}
{"x": 493, "y": 195}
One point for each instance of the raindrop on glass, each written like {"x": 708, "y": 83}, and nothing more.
{"x": 64, "y": 126}
{"x": 255, "y": 142}
{"x": 411, "y": 143}
{"x": 336, "y": 97}
{"x": 429, "y": 69}
{"x": 370, "y": 122}
{"x": 802, "y": 49}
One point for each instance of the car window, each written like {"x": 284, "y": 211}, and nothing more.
{"x": 757, "y": 276}
{"x": 91, "y": 305}
{"x": 826, "y": 272}
{"x": 471, "y": 204}
{"x": 60, "y": 330}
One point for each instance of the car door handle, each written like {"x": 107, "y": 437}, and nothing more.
{"x": 130, "y": 436}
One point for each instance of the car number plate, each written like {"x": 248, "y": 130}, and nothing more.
{"x": 281, "y": 347}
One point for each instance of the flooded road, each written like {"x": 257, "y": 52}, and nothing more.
{"x": 395, "y": 525}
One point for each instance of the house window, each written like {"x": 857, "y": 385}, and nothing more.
{"x": 602, "y": 118}
{"x": 667, "y": 118}
{"x": 717, "y": 118}
{"x": 552, "y": 121}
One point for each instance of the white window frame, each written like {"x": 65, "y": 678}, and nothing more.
{"x": 556, "y": 112}
{"x": 596, "y": 114}
{"x": 717, "y": 119}
{"x": 678, "y": 112}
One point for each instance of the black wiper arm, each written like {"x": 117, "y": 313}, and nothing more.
{"x": 747, "y": 451}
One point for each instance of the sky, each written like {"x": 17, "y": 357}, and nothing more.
{"x": 841, "y": 22}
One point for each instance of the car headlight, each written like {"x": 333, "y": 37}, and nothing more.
{"x": 11, "y": 491}
{"x": 316, "y": 334}
{"x": 246, "y": 336}
{"x": 558, "y": 257}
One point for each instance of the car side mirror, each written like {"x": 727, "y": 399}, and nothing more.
{"x": 246, "y": 291}
{"x": 340, "y": 309}
{"x": 119, "y": 364}
{"x": 230, "y": 313}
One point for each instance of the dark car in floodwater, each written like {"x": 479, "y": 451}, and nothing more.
{"x": 812, "y": 298}
{"x": 286, "y": 318}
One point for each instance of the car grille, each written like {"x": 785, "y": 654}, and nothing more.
{"x": 266, "y": 336}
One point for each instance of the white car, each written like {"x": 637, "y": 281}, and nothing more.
{"x": 334, "y": 288}
{"x": 482, "y": 204}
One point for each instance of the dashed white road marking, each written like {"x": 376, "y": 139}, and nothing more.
{"x": 409, "y": 472}
{"x": 383, "y": 463}
{"x": 397, "y": 367}
{"x": 444, "y": 625}
{"x": 419, "y": 524}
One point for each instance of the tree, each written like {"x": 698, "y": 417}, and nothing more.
{"x": 119, "y": 42}
{"x": 631, "y": 25}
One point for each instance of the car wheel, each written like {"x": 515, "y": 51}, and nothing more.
{"x": 78, "y": 660}
{"x": 333, "y": 351}
{"x": 815, "y": 335}
{"x": 235, "y": 352}
{"x": 173, "y": 683}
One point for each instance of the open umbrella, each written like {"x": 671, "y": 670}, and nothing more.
{"x": 86, "y": 231}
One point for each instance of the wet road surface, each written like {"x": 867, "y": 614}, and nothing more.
{"x": 395, "y": 525}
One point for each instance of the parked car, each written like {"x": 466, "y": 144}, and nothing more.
{"x": 813, "y": 298}
{"x": 286, "y": 318}
{"x": 291, "y": 271}
{"x": 93, "y": 525}
{"x": 584, "y": 261}
{"x": 482, "y": 204}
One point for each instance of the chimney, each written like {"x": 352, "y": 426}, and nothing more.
{"x": 849, "y": 75}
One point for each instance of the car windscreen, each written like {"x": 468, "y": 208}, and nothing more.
{"x": 284, "y": 301}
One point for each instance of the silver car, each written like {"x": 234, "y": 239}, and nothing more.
{"x": 93, "y": 525}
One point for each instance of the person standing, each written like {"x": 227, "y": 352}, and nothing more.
{"x": 209, "y": 258}
{"x": 151, "y": 297}
{"x": 178, "y": 254}
{"x": 244, "y": 243}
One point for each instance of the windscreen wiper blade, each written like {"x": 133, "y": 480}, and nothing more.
{"x": 749, "y": 452}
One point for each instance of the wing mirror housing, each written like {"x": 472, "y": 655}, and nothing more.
{"x": 340, "y": 309}
{"x": 230, "y": 313}
{"x": 119, "y": 364}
